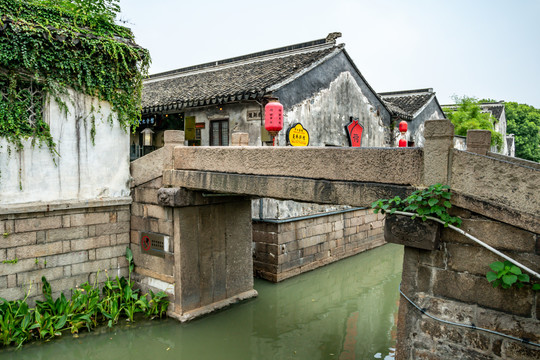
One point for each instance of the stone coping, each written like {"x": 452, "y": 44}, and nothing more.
{"x": 400, "y": 166}
{"x": 62, "y": 205}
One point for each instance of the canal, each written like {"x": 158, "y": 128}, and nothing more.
{"x": 346, "y": 310}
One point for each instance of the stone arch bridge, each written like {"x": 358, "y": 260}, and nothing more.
{"x": 206, "y": 193}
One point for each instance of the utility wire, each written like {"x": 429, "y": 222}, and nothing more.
{"x": 515, "y": 262}
{"x": 471, "y": 326}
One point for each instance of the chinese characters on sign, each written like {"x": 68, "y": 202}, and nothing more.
{"x": 297, "y": 135}
{"x": 354, "y": 131}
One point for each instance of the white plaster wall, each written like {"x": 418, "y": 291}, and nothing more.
{"x": 326, "y": 114}
{"x": 83, "y": 171}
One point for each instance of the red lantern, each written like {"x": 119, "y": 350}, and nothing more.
{"x": 273, "y": 117}
{"x": 402, "y": 143}
{"x": 403, "y": 127}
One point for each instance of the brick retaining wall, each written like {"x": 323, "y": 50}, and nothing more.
{"x": 68, "y": 247}
{"x": 283, "y": 250}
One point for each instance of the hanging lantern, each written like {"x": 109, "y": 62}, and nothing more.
{"x": 273, "y": 117}
{"x": 403, "y": 127}
{"x": 147, "y": 136}
{"x": 402, "y": 143}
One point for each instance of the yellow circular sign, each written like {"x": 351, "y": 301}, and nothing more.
{"x": 297, "y": 135}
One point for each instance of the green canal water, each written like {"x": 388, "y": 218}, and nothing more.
{"x": 346, "y": 310}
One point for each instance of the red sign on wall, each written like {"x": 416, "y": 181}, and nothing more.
{"x": 354, "y": 130}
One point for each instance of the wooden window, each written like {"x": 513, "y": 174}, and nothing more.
{"x": 219, "y": 133}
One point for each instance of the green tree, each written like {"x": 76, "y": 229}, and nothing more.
{"x": 469, "y": 116}
{"x": 524, "y": 122}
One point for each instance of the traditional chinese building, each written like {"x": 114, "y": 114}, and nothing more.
{"x": 495, "y": 109}
{"x": 414, "y": 107}
{"x": 321, "y": 91}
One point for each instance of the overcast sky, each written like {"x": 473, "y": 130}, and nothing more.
{"x": 480, "y": 48}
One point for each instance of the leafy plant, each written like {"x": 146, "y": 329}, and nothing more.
{"x": 86, "y": 309}
{"x": 506, "y": 274}
{"x": 469, "y": 116}
{"x": 432, "y": 201}
{"x": 50, "y": 46}
{"x": 12, "y": 261}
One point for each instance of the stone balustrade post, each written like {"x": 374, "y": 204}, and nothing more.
{"x": 174, "y": 137}
{"x": 479, "y": 141}
{"x": 439, "y": 135}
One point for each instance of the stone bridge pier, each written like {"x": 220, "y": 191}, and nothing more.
{"x": 196, "y": 246}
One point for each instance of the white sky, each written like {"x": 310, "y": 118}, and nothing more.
{"x": 480, "y": 48}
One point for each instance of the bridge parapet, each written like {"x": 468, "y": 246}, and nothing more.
{"x": 498, "y": 189}
{"x": 401, "y": 166}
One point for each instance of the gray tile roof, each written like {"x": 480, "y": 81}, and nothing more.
{"x": 405, "y": 104}
{"x": 246, "y": 77}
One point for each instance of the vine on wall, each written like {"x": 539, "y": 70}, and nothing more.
{"x": 48, "y": 46}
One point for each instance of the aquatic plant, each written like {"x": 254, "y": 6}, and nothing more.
{"x": 86, "y": 309}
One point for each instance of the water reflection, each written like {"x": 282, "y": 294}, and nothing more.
{"x": 342, "y": 311}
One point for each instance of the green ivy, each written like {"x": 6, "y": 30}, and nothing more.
{"x": 432, "y": 201}
{"x": 506, "y": 274}
{"x": 54, "y": 45}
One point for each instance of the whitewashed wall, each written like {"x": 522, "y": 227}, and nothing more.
{"x": 82, "y": 172}
{"x": 327, "y": 112}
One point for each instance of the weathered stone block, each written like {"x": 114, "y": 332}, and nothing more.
{"x": 69, "y": 282}
{"x": 265, "y": 267}
{"x": 91, "y": 266}
{"x": 415, "y": 233}
{"x": 21, "y": 239}
{"x": 515, "y": 350}
{"x": 499, "y": 235}
{"x": 472, "y": 259}
{"x": 15, "y": 293}
{"x": 165, "y": 227}
{"x": 110, "y": 252}
{"x": 114, "y": 228}
{"x": 66, "y": 259}
{"x": 122, "y": 239}
{"x": 265, "y": 226}
{"x": 475, "y": 289}
{"x": 266, "y": 257}
{"x": 77, "y": 232}
{"x": 265, "y": 237}
{"x": 145, "y": 195}
{"x": 286, "y": 237}
{"x": 33, "y": 251}
{"x": 34, "y": 224}
{"x": 35, "y": 276}
{"x": 157, "y": 211}
{"x": 90, "y": 243}
{"x": 11, "y": 280}
{"x": 478, "y": 141}
{"x": 175, "y": 137}
{"x": 434, "y": 258}
{"x": 90, "y": 219}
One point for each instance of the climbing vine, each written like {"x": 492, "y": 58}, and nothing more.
{"x": 431, "y": 201}
{"x": 49, "y": 46}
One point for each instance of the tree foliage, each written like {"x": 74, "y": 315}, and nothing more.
{"x": 53, "y": 45}
{"x": 469, "y": 116}
{"x": 524, "y": 122}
